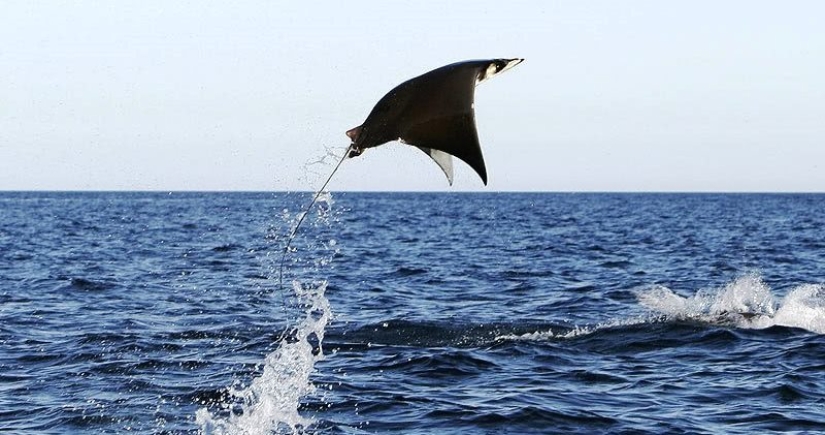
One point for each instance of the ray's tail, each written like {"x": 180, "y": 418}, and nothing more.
{"x": 304, "y": 214}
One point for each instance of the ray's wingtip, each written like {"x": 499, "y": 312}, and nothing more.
{"x": 509, "y": 63}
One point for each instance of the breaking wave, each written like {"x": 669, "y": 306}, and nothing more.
{"x": 747, "y": 302}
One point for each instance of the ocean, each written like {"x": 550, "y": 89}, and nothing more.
{"x": 412, "y": 313}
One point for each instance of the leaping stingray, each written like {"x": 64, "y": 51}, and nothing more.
{"x": 433, "y": 112}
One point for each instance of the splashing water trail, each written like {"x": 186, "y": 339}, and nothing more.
{"x": 271, "y": 401}
{"x": 747, "y": 303}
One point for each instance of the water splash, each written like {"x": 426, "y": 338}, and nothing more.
{"x": 747, "y": 302}
{"x": 271, "y": 402}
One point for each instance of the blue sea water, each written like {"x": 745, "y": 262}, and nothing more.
{"x": 412, "y": 313}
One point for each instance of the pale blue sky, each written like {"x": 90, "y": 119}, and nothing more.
{"x": 613, "y": 95}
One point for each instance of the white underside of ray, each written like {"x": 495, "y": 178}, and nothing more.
{"x": 443, "y": 160}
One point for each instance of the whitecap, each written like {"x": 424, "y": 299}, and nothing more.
{"x": 747, "y": 302}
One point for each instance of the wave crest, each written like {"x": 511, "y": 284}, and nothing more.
{"x": 747, "y": 302}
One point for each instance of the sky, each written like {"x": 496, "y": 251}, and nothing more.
{"x": 256, "y": 95}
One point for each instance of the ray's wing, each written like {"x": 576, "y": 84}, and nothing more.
{"x": 440, "y": 117}
{"x": 451, "y": 135}
{"x": 433, "y": 112}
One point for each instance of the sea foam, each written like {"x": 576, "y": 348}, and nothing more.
{"x": 747, "y": 302}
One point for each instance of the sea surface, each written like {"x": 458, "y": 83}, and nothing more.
{"x": 412, "y": 313}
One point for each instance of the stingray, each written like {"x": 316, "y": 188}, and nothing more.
{"x": 434, "y": 113}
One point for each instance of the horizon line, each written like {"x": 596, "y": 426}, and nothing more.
{"x": 173, "y": 191}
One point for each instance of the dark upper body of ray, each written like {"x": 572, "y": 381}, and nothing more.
{"x": 433, "y": 112}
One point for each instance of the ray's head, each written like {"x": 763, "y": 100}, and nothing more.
{"x": 353, "y": 135}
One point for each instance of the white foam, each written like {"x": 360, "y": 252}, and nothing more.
{"x": 577, "y": 331}
{"x": 270, "y": 403}
{"x": 803, "y": 307}
{"x": 747, "y": 302}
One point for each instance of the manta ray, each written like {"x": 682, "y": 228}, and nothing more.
{"x": 434, "y": 113}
